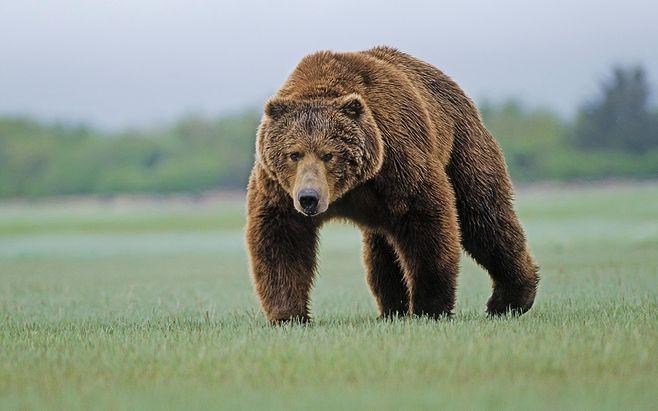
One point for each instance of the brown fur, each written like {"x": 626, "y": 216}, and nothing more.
{"x": 413, "y": 166}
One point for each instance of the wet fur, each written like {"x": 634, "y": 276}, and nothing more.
{"x": 418, "y": 173}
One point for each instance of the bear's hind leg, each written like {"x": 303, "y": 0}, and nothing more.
{"x": 385, "y": 276}
{"x": 491, "y": 232}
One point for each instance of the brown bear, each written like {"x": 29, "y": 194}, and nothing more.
{"x": 392, "y": 144}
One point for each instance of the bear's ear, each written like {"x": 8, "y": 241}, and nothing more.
{"x": 352, "y": 106}
{"x": 277, "y": 107}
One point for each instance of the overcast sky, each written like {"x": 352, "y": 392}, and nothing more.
{"x": 119, "y": 63}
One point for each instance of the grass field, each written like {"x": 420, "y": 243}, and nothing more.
{"x": 148, "y": 304}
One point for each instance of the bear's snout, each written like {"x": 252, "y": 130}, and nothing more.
{"x": 310, "y": 191}
{"x": 309, "y": 198}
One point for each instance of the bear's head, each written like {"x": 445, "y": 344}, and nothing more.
{"x": 318, "y": 149}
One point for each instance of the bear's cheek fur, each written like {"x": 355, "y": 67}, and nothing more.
{"x": 363, "y": 161}
{"x": 283, "y": 173}
{"x": 372, "y": 149}
{"x": 343, "y": 175}
{"x": 272, "y": 153}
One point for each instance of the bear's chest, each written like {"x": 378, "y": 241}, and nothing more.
{"x": 368, "y": 206}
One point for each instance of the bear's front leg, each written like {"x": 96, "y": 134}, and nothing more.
{"x": 427, "y": 241}
{"x": 282, "y": 246}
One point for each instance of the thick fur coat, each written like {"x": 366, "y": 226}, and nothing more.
{"x": 392, "y": 144}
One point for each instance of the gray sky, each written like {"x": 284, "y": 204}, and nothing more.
{"x": 120, "y": 63}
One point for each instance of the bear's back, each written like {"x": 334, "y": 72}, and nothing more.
{"x": 445, "y": 102}
{"x": 425, "y": 77}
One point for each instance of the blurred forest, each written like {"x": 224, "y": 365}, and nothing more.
{"x": 614, "y": 135}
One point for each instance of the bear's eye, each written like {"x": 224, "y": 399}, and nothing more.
{"x": 295, "y": 156}
{"x": 327, "y": 157}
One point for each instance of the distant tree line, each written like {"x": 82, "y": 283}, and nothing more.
{"x": 192, "y": 155}
{"x": 614, "y": 135}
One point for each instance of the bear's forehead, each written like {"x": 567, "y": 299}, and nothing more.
{"x": 314, "y": 121}
{"x": 315, "y": 136}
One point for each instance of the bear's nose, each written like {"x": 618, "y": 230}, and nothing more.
{"x": 308, "y": 199}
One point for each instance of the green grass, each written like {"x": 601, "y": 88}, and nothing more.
{"x": 107, "y": 305}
